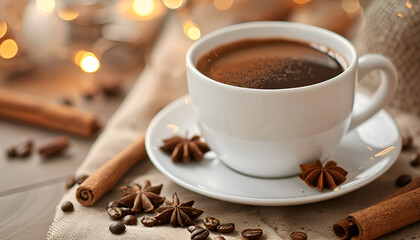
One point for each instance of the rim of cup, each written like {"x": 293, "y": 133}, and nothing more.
{"x": 351, "y": 63}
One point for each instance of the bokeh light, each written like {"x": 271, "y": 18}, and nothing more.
{"x": 191, "y": 30}
{"x": 78, "y": 57}
{"x": 301, "y": 1}
{"x": 143, "y": 7}
{"x": 173, "y": 4}
{"x": 186, "y": 25}
{"x": 408, "y": 4}
{"x": 222, "y": 4}
{"x": 3, "y": 28}
{"x": 124, "y": 5}
{"x": 350, "y": 6}
{"x": 8, "y": 49}
{"x": 89, "y": 63}
{"x": 68, "y": 15}
{"x": 46, "y": 7}
{"x": 362, "y": 20}
{"x": 194, "y": 33}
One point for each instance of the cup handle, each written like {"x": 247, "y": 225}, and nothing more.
{"x": 385, "y": 91}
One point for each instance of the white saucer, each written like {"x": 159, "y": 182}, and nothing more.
{"x": 366, "y": 153}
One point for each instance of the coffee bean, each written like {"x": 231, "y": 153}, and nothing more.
{"x": 298, "y": 236}
{"x": 200, "y": 234}
{"x": 130, "y": 220}
{"x": 226, "y": 228}
{"x": 415, "y": 159}
{"x": 80, "y": 179}
{"x": 407, "y": 142}
{"x": 54, "y": 146}
{"x": 148, "y": 221}
{"x": 126, "y": 211}
{"x": 220, "y": 238}
{"x": 11, "y": 151}
{"x": 113, "y": 204}
{"x": 115, "y": 213}
{"x": 117, "y": 227}
{"x": 252, "y": 234}
{"x": 67, "y": 206}
{"x": 70, "y": 181}
{"x": 192, "y": 228}
{"x": 22, "y": 149}
{"x": 211, "y": 223}
{"x": 403, "y": 180}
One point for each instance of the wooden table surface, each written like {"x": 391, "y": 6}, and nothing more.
{"x": 31, "y": 188}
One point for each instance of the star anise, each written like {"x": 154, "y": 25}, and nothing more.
{"x": 329, "y": 176}
{"x": 184, "y": 149}
{"x": 141, "y": 199}
{"x": 177, "y": 214}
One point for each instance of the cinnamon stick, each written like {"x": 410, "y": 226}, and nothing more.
{"x": 105, "y": 178}
{"x": 48, "y": 115}
{"x": 409, "y": 187}
{"x": 397, "y": 210}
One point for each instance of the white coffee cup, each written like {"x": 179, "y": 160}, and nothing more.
{"x": 268, "y": 133}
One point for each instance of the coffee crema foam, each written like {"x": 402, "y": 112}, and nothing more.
{"x": 270, "y": 64}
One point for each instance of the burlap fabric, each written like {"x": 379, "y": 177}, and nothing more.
{"x": 393, "y": 29}
{"x": 163, "y": 81}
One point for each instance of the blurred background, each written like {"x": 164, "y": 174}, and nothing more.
{"x": 67, "y": 48}
{"x": 87, "y": 54}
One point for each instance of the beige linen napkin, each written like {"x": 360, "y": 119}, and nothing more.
{"x": 162, "y": 81}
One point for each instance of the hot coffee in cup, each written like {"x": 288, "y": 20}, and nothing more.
{"x": 269, "y": 96}
{"x": 271, "y": 63}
